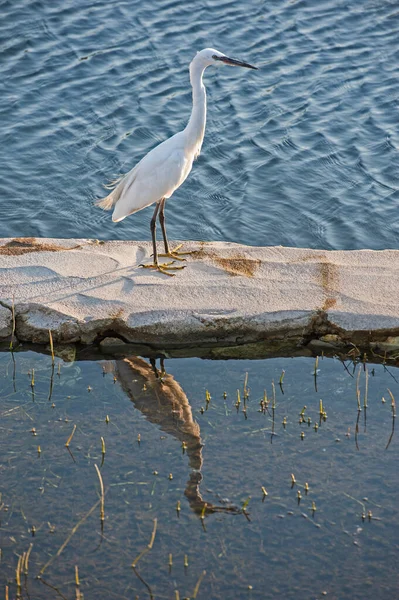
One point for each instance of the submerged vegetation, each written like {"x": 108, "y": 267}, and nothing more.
{"x": 197, "y": 479}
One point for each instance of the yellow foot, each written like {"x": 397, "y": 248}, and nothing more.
{"x": 163, "y": 268}
{"x": 176, "y": 255}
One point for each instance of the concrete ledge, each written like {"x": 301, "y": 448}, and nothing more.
{"x": 228, "y": 295}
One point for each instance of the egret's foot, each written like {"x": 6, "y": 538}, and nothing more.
{"x": 176, "y": 255}
{"x": 164, "y": 268}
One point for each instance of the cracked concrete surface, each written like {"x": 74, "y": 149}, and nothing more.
{"x": 228, "y": 294}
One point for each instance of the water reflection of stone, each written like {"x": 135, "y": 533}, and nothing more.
{"x": 164, "y": 403}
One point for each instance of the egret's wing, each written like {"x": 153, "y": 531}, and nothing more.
{"x": 155, "y": 177}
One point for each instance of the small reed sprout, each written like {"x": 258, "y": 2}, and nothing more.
{"x": 102, "y": 450}
{"x": 21, "y": 559}
{"x": 102, "y": 513}
{"x": 358, "y": 390}
{"x": 246, "y": 390}
{"x": 245, "y": 503}
{"x": 393, "y": 403}
{"x": 70, "y": 437}
{"x": 149, "y": 547}
{"x": 358, "y": 400}
{"x": 196, "y": 589}
{"x": 13, "y": 322}
{"x": 77, "y": 584}
{"x": 316, "y": 366}
{"x": 50, "y": 335}
{"x": 203, "y": 511}
{"x": 26, "y": 562}
{"x": 366, "y": 387}
{"x": 273, "y": 395}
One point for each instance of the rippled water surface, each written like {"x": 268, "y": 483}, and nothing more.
{"x": 184, "y": 452}
{"x": 302, "y": 152}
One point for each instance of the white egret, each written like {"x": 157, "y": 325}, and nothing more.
{"x": 165, "y": 167}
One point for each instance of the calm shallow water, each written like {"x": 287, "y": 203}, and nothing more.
{"x": 303, "y": 152}
{"x": 281, "y": 550}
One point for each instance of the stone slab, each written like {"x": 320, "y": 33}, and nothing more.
{"x": 86, "y": 290}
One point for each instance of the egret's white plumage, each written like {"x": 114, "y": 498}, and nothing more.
{"x": 166, "y": 166}
{"x": 156, "y": 176}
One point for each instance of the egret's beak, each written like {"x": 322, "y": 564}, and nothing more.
{"x": 236, "y": 63}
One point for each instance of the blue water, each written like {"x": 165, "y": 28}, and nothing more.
{"x": 283, "y": 550}
{"x": 303, "y": 152}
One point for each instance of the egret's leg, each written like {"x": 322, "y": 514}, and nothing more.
{"x": 162, "y": 364}
{"x": 153, "y": 227}
{"x": 163, "y": 267}
{"x": 162, "y": 221}
{"x": 161, "y": 373}
{"x": 172, "y": 253}
{"x": 154, "y": 367}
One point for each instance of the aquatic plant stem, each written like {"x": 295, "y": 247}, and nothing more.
{"x": 74, "y": 530}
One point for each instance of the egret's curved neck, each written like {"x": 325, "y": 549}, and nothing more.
{"x": 195, "y": 129}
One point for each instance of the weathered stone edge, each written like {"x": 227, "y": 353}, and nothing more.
{"x": 184, "y": 334}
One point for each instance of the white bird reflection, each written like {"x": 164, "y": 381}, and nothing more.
{"x": 163, "y": 402}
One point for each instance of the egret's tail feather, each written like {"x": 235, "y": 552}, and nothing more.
{"x": 113, "y": 183}
{"x": 109, "y": 201}
{"x": 106, "y": 203}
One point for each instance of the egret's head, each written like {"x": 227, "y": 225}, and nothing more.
{"x": 210, "y": 56}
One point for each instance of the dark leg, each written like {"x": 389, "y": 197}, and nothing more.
{"x": 164, "y": 267}
{"x": 162, "y": 221}
{"x": 168, "y": 252}
{"x": 154, "y": 367}
{"x": 153, "y": 233}
{"x": 162, "y": 361}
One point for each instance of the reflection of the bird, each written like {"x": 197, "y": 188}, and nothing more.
{"x": 163, "y": 402}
